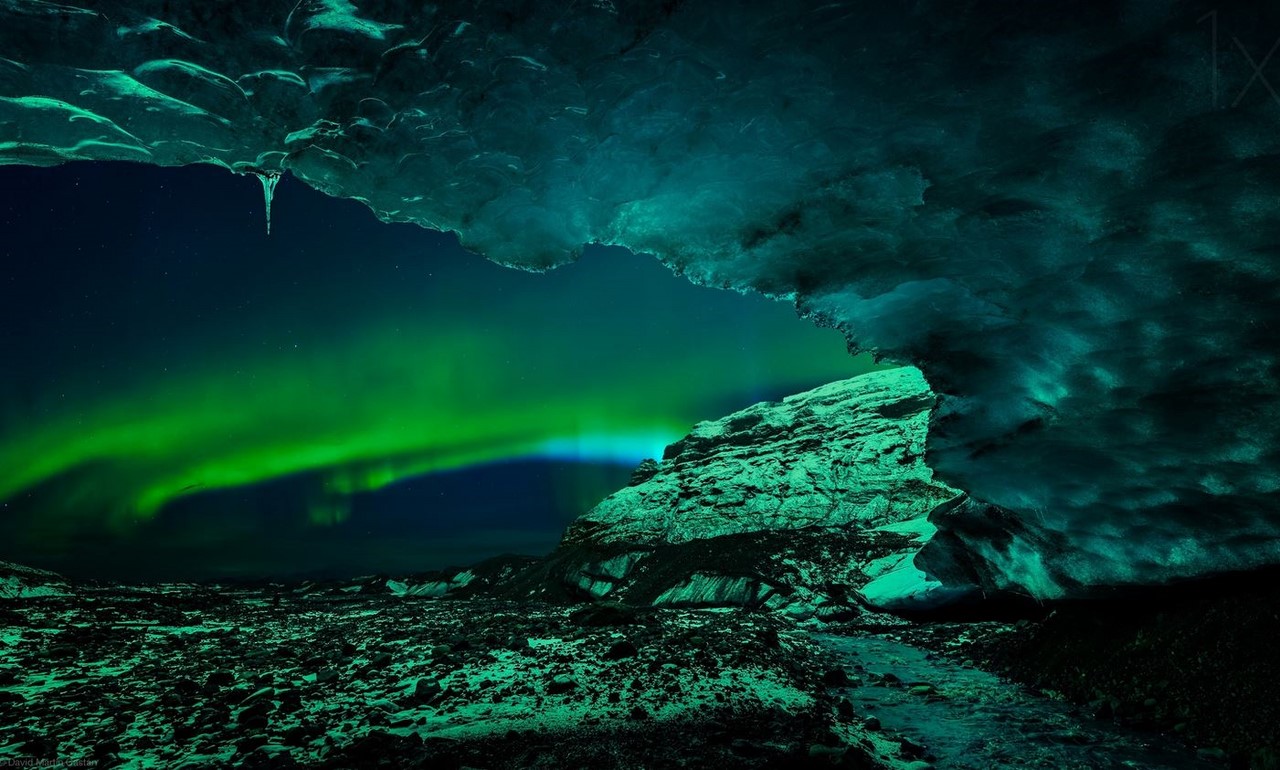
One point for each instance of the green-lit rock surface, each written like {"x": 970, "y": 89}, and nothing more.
{"x": 792, "y": 505}
{"x": 21, "y": 582}
{"x": 850, "y": 453}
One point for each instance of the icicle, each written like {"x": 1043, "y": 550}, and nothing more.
{"x": 269, "y": 181}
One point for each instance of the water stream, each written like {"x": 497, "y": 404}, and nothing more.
{"x": 966, "y": 718}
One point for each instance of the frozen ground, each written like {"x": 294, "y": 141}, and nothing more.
{"x": 963, "y": 718}
{"x": 349, "y": 676}
{"x": 184, "y": 676}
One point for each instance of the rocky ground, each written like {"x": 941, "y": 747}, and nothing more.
{"x": 190, "y": 676}
{"x": 363, "y": 673}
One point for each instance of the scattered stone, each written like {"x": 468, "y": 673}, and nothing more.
{"x": 1211, "y": 754}
{"x": 265, "y": 692}
{"x": 8, "y": 698}
{"x": 819, "y": 751}
{"x": 910, "y": 749}
{"x": 621, "y": 649}
{"x": 844, "y": 709}
{"x": 836, "y": 677}
{"x": 326, "y": 675}
{"x": 426, "y": 690}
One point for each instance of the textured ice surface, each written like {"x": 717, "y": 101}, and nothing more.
{"x": 846, "y": 454}
{"x": 1064, "y": 214}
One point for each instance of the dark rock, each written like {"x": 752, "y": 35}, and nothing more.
{"x": 106, "y": 749}
{"x": 620, "y": 649}
{"x": 822, "y": 752}
{"x": 9, "y": 698}
{"x": 261, "y": 694}
{"x": 604, "y": 615}
{"x": 836, "y": 677}
{"x": 844, "y": 709}
{"x": 910, "y": 749}
{"x": 426, "y": 690}
{"x": 40, "y": 748}
{"x": 326, "y": 675}
{"x": 251, "y": 742}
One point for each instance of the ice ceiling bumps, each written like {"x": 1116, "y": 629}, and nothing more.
{"x": 1065, "y": 215}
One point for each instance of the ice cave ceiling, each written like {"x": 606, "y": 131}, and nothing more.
{"x": 1065, "y": 215}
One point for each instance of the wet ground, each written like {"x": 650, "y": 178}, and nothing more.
{"x": 957, "y": 716}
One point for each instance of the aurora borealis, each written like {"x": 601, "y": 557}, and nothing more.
{"x": 179, "y": 380}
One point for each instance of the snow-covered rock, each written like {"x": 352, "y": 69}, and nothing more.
{"x": 791, "y": 505}
{"x": 846, "y": 453}
{"x": 20, "y": 582}
{"x": 702, "y": 590}
{"x": 598, "y": 578}
{"x": 430, "y": 588}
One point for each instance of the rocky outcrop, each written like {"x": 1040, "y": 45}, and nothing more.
{"x": 791, "y": 505}
{"x": 846, "y": 453}
{"x": 476, "y": 580}
{"x": 19, "y": 582}
{"x": 431, "y": 588}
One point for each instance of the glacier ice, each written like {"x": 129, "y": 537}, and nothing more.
{"x": 269, "y": 181}
{"x": 1065, "y": 215}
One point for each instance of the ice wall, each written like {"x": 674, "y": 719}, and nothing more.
{"x": 1065, "y": 214}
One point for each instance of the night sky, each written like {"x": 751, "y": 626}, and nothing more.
{"x": 186, "y": 396}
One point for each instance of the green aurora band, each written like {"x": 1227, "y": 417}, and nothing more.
{"x": 470, "y": 374}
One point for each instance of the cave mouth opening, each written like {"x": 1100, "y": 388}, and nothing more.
{"x": 195, "y": 398}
